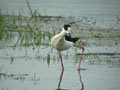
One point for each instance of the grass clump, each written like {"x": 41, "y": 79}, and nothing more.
{"x": 48, "y": 59}
{"x": 97, "y": 36}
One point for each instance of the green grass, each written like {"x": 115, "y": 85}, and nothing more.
{"x": 48, "y": 59}
{"x": 97, "y": 36}
{"x": 28, "y": 34}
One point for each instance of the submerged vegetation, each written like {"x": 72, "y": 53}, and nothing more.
{"x": 15, "y": 77}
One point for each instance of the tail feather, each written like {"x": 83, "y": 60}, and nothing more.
{"x": 75, "y": 39}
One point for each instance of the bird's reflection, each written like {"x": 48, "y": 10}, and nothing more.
{"x": 81, "y": 82}
{"x": 61, "y": 75}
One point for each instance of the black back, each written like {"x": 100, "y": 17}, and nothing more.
{"x": 69, "y": 38}
{"x": 66, "y": 26}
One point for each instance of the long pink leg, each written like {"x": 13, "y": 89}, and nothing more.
{"x": 60, "y": 79}
{"x": 81, "y": 80}
{"x": 81, "y": 55}
{"x": 61, "y": 61}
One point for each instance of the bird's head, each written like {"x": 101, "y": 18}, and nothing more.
{"x": 67, "y": 29}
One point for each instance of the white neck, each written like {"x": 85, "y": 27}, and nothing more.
{"x": 62, "y": 33}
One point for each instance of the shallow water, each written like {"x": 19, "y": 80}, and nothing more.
{"x": 23, "y": 68}
{"x": 27, "y": 68}
{"x": 106, "y": 13}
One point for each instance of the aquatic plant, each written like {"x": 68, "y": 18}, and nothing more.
{"x": 48, "y": 59}
{"x": 11, "y": 60}
{"x": 13, "y": 76}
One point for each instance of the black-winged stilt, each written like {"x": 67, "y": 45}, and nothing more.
{"x": 64, "y": 41}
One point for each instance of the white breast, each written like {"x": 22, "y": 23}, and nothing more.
{"x": 59, "y": 43}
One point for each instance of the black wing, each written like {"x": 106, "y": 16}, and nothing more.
{"x": 69, "y": 38}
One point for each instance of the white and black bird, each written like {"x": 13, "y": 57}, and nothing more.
{"x": 64, "y": 41}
